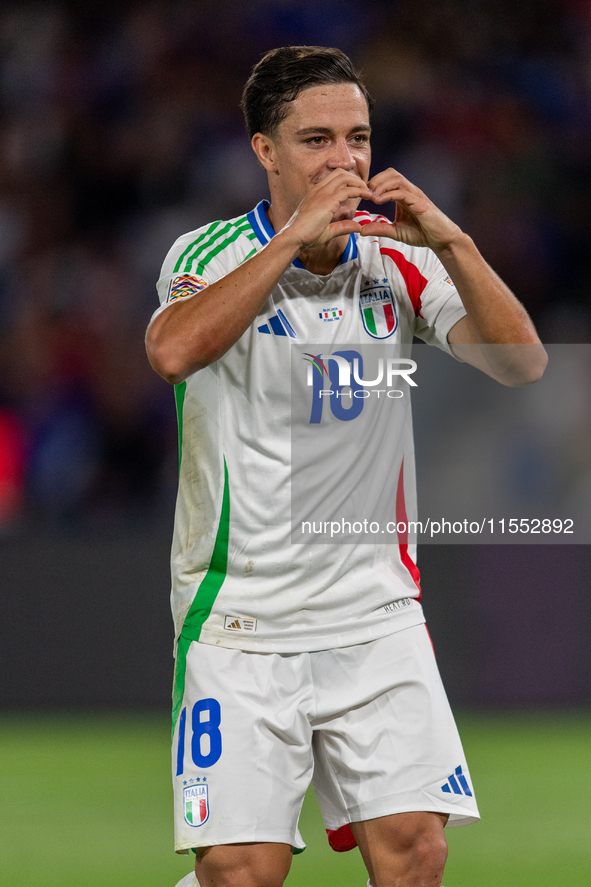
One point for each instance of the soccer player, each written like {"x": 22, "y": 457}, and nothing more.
{"x": 293, "y": 660}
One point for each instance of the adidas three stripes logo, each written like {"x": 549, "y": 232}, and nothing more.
{"x": 457, "y": 783}
{"x": 278, "y": 325}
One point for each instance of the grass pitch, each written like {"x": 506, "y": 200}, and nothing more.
{"x": 85, "y": 801}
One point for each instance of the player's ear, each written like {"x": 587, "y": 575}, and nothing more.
{"x": 264, "y": 148}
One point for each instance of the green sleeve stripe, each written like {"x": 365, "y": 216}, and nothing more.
{"x": 218, "y": 249}
{"x": 206, "y": 241}
{"x": 179, "y": 396}
{"x": 251, "y": 253}
{"x": 209, "y": 231}
{"x": 204, "y": 599}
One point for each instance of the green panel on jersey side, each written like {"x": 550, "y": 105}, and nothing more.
{"x": 201, "y": 237}
{"x": 203, "y": 262}
{"x": 203, "y": 600}
{"x": 240, "y": 225}
{"x": 179, "y": 396}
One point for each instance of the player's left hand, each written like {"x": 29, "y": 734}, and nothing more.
{"x": 418, "y": 222}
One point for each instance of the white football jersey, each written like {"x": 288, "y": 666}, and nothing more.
{"x": 237, "y": 578}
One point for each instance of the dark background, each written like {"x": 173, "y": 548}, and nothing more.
{"x": 120, "y": 130}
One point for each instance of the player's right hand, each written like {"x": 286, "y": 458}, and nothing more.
{"x": 316, "y": 220}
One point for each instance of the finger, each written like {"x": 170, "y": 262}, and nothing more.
{"x": 412, "y": 203}
{"x": 390, "y": 194}
{"x": 345, "y": 226}
{"x": 337, "y": 229}
{"x": 378, "y": 229}
{"x": 354, "y": 188}
{"x": 384, "y": 174}
{"x": 341, "y": 176}
{"x": 384, "y": 190}
{"x": 387, "y": 179}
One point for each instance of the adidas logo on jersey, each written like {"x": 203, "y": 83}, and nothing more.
{"x": 240, "y": 623}
{"x": 457, "y": 783}
{"x": 278, "y": 325}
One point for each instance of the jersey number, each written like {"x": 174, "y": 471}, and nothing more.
{"x": 206, "y": 741}
{"x": 335, "y": 392}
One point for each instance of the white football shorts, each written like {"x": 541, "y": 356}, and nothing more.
{"x": 371, "y": 722}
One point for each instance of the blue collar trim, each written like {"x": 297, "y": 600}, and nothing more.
{"x": 260, "y": 224}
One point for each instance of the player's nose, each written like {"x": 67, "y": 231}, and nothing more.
{"x": 341, "y": 157}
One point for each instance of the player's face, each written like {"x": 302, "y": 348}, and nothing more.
{"x": 327, "y": 128}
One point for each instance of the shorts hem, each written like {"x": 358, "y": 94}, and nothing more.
{"x": 266, "y": 837}
{"x": 457, "y": 815}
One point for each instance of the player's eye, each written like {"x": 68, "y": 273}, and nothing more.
{"x": 315, "y": 140}
{"x": 361, "y": 138}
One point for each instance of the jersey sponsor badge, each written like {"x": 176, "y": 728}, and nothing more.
{"x": 185, "y": 285}
{"x": 378, "y": 311}
{"x": 196, "y": 804}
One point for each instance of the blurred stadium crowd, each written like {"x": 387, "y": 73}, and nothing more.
{"x": 121, "y": 130}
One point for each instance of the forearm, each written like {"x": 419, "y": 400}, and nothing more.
{"x": 191, "y": 333}
{"x": 497, "y": 336}
{"x": 496, "y": 315}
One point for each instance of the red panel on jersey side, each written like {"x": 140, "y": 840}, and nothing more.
{"x": 414, "y": 280}
{"x": 403, "y": 537}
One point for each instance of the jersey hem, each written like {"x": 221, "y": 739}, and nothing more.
{"x": 218, "y": 638}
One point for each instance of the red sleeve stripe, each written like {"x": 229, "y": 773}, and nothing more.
{"x": 414, "y": 280}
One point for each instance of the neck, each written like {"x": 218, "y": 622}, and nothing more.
{"x": 316, "y": 259}
{"x": 324, "y": 259}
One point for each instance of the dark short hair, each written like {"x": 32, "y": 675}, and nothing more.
{"x": 283, "y": 73}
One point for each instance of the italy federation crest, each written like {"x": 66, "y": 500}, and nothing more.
{"x": 196, "y": 804}
{"x": 376, "y": 304}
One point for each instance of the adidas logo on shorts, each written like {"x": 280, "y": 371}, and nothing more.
{"x": 457, "y": 783}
